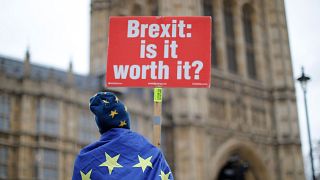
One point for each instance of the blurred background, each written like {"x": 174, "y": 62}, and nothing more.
{"x": 251, "y": 124}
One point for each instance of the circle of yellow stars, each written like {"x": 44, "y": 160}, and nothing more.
{"x": 112, "y": 162}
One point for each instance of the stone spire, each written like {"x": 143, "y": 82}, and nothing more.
{"x": 70, "y": 73}
{"x": 70, "y": 66}
{"x": 27, "y": 66}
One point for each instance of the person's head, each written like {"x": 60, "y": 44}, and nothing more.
{"x": 109, "y": 112}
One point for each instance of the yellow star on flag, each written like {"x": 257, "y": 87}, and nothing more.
{"x": 144, "y": 163}
{"x": 85, "y": 176}
{"x": 111, "y": 162}
{"x": 105, "y": 101}
{"x": 117, "y": 100}
{"x": 164, "y": 176}
{"x": 125, "y": 108}
{"x": 122, "y": 123}
{"x": 113, "y": 113}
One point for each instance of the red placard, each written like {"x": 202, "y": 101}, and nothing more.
{"x": 153, "y": 51}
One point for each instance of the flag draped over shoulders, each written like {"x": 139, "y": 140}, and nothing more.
{"x": 121, "y": 154}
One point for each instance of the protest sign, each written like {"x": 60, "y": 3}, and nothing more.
{"x": 159, "y": 52}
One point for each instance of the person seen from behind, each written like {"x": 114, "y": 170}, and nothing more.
{"x": 120, "y": 153}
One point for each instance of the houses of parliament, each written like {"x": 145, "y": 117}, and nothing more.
{"x": 244, "y": 127}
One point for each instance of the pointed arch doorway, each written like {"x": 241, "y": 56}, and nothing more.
{"x": 238, "y": 160}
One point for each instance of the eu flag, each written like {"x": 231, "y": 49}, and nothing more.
{"x": 121, "y": 154}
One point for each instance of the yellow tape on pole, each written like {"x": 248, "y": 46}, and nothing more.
{"x": 157, "y": 96}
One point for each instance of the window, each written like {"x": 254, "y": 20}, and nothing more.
{"x": 48, "y": 117}
{"x": 3, "y": 162}
{"x": 208, "y": 8}
{"x": 4, "y": 112}
{"x": 87, "y": 127}
{"x": 248, "y": 33}
{"x": 230, "y": 37}
{"x": 208, "y": 11}
{"x": 154, "y": 7}
{"x": 48, "y": 164}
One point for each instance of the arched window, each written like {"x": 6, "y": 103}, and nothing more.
{"x": 208, "y": 11}
{"x": 247, "y": 12}
{"x": 154, "y": 5}
{"x": 230, "y": 37}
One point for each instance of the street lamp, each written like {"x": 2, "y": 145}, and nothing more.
{"x": 303, "y": 81}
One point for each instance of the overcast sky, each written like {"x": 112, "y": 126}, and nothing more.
{"x": 55, "y": 31}
{"x": 58, "y": 31}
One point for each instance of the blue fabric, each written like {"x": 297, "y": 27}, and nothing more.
{"x": 109, "y": 112}
{"x": 129, "y": 146}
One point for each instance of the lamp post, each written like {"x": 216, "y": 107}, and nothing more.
{"x": 303, "y": 79}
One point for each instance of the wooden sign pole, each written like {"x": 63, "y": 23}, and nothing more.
{"x": 157, "y": 98}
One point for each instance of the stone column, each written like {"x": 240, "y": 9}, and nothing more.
{"x": 180, "y": 7}
{"x": 285, "y": 116}
{"x": 25, "y": 153}
{"x": 239, "y": 40}
{"x": 28, "y": 114}
{"x": 258, "y": 45}
{"x": 99, "y": 28}
{"x": 188, "y": 109}
{"x": 218, "y": 21}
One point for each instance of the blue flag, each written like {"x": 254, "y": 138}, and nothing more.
{"x": 121, "y": 154}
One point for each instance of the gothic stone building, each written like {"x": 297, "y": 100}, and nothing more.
{"x": 44, "y": 119}
{"x": 245, "y": 126}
